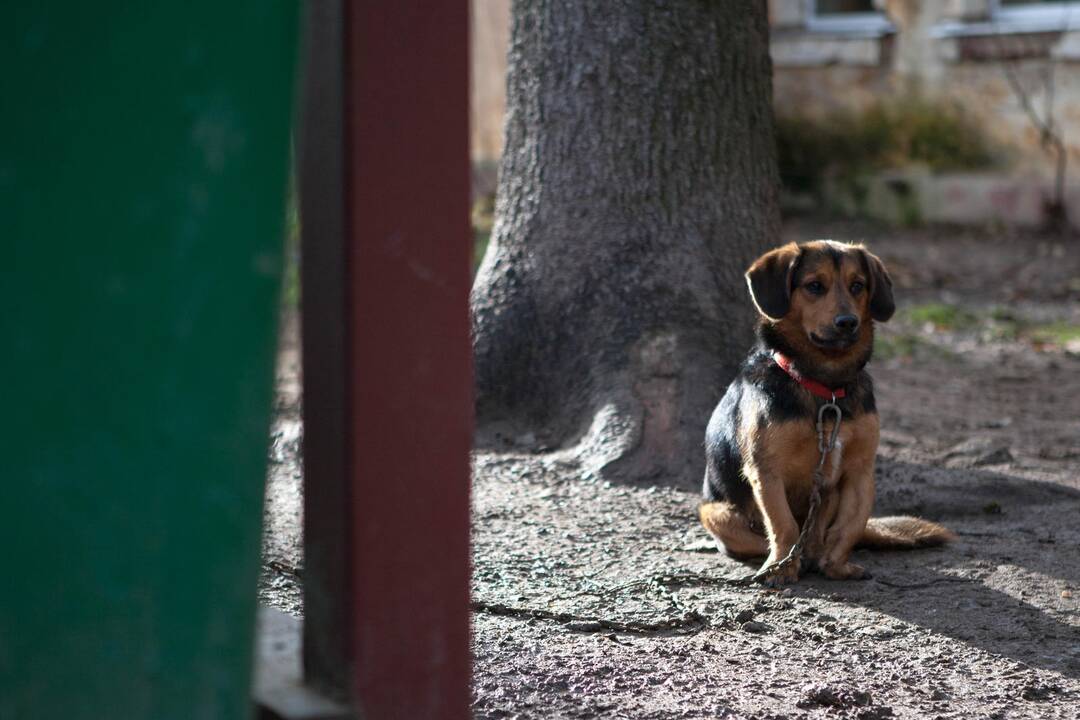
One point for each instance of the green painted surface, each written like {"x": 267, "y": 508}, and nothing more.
{"x": 143, "y": 163}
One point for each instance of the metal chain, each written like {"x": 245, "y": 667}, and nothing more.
{"x": 818, "y": 480}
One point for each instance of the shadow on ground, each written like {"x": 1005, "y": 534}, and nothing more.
{"x": 999, "y": 587}
{"x": 625, "y": 611}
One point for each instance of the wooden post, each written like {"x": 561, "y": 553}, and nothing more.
{"x": 410, "y": 373}
{"x": 324, "y": 327}
{"x": 387, "y": 368}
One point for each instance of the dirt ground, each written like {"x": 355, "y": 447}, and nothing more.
{"x": 595, "y": 599}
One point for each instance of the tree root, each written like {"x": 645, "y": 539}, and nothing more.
{"x": 929, "y": 583}
{"x": 689, "y": 623}
{"x": 662, "y": 582}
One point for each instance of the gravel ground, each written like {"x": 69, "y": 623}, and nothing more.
{"x": 984, "y": 627}
{"x": 596, "y": 599}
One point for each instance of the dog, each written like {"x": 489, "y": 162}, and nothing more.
{"x": 818, "y": 302}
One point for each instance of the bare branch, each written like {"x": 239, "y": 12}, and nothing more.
{"x": 1051, "y": 138}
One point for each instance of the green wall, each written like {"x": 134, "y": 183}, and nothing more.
{"x": 143, "y": 165}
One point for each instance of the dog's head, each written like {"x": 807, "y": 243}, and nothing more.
{"x": 822, "y": 297}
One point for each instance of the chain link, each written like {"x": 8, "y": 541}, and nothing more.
{"x": 825, "y": 446}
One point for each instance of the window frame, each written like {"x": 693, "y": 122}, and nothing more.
{"x": 1005, "y": 20}
{"x": 872, "y": 24}
{"x": 1051, "y": 15}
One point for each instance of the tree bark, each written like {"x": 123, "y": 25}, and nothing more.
{"x": 637, "y": 183}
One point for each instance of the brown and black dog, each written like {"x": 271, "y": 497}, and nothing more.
{"x": 818, "y": 302}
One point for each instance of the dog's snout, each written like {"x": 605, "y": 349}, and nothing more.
{"x": 847, "y": 323}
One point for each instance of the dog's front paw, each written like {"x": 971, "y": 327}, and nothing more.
{"x": 846, "y": 571}
{"x": 780, "y": 577}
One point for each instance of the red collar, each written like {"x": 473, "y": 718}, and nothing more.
{"x": 813, "y": 386}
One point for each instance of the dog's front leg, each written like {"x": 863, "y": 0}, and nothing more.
{"x": 856, "y": 491}
{"x": 780, "y": 525}
{"x": 814, "y": 551}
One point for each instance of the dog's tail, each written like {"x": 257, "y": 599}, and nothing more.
{"x": 903, "y": 532}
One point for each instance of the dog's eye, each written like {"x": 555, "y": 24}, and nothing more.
{"x": 815, "y": 288}
{"x": 856, "y": 287}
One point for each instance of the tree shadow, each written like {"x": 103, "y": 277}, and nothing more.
{"x": 998, "y": 587}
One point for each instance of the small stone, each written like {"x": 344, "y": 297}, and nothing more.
{"x": 1036, "y": 692}
{"x": 838, "y": 696}
{"x": 875, "y": 713}
{"x": 700, "y": 546}
{"x": 744, "y": 616}
{"x": 995, "y": 457}
{"x": 755, "y": 627}
{"x": 1066, "y": 594}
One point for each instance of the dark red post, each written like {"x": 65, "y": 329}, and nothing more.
{"x": 409, "y": 241}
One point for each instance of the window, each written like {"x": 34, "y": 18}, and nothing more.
{"x": 846, "y": 16}
{"x": 1036, "y": 15}
{"x": 829, "y": 7}
{"x": 1016, "y": 16}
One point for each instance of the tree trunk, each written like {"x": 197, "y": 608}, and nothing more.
{"x": 637, "y": 183}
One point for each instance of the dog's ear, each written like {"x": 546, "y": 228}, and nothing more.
{"x": 769, "y": 280}
{"x": 882, "y": 305}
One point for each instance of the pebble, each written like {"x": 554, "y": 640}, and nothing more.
{"x": 1037, "y": 691}
{"x": 744, "y": 616}
{"x": 700, "y": 546}
{"x": 755, "y": 627}
{"x": 837, "y": 696}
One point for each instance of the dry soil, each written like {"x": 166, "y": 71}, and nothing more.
{"x": 596, "y": 599}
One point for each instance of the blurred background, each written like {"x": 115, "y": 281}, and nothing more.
{"x": 946, "y": 134}
{"x": 908, "y": 112}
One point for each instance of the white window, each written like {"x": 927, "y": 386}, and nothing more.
{"x": 1017, "y": 16}
{"x": 846, "y": 16}
{"x": 1035, "y": 15}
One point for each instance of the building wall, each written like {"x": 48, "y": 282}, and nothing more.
{"x": 958, "y": 50}
{"x": 961, "y": 51}
{"x": 490, "y": 39}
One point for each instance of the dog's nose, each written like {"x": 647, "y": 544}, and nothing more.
{"x": 847, "y": 323}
